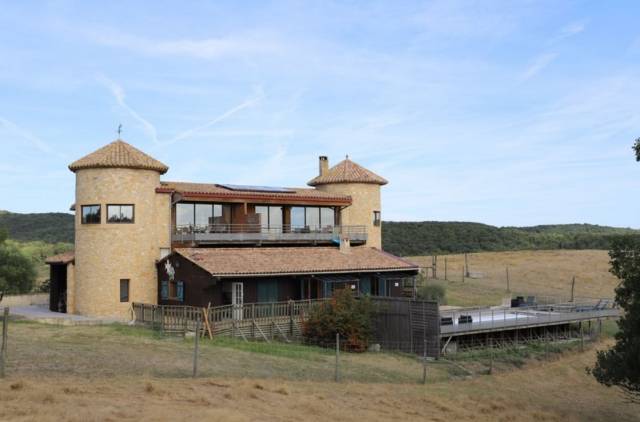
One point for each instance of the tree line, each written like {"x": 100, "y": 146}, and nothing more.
{"x": 433, "y": 237}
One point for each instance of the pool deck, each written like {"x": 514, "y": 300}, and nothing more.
{"x": 492, "y": 320}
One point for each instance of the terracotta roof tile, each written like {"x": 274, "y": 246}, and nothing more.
{"x": 216, "y": 190}
{"x": 63, "y": 258}
{"x": 346, "y": 171}
{"x": 118, "y": 154}
{"x": 233, "y": 262}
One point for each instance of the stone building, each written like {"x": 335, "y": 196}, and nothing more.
{"x": 141, "y": 239}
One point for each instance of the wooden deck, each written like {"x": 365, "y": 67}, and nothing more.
{"x": 495, "y": 320}
{"x": 264, "y": 321}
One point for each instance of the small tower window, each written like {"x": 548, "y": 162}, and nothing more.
{"x": 120, "y": 214}
{"x": 376, "y": 218}
{"x": 124, "y": 290}
{"x": 90, "y": 214}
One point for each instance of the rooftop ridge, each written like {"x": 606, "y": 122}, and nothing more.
{"x": 118, "y": 154}
{"x": 347, "y": 171}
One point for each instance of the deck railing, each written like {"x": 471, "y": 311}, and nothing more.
{"x": 184, "y": 318}
{"x": 221, "y": 233}
{"x": 472, "y": 320}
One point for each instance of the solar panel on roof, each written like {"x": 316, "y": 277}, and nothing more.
{"x": 248, "y": 188}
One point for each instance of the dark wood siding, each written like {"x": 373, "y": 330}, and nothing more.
{"x": 200, "y": 288}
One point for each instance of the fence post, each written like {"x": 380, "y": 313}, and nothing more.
{"x": 162, "y": 319}
{"x": 445, "y": 269}
{"x": 424, "y": 363}
{"x": 291, "y": 305}
{"x": 3, "y": 350}
{"x": 491, "y": 355}
{"x": 466, "y": 266}
{"x": 195, "y": 349}
{"x": 508, "y": 281}
{"x": 337, "y": 375}
{"x": 581, "y": 338}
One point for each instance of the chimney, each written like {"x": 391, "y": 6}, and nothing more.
{"x": 324, "y": 164}
{"x": 345, "y": 245}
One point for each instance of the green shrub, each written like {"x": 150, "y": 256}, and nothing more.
{"x": 343, "y": 314}
{"x": 433, "y": 291}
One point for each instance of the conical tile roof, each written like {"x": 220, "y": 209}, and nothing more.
{"x": 119, "y": 154}
{"x": 346, "y": 171}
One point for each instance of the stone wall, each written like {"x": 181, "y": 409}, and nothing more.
{"x": 25, "y": 300}
{"x": 106, "y": 253}
{"x": 366, "y": 199}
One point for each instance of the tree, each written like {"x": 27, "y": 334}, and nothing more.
{"x": 343, "y": 314}
{"x": 636, "y": 148}
{"x": 17, "y": 272}
{"x": 620, "y": 365}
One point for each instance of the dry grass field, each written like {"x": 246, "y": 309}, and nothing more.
{"x": 120, "y": 373}
{"x": 532, "y": 272}
{"x": 559, "y": 390}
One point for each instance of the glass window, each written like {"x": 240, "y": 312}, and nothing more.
{"x": 204, "y": 212}
{"x": 297, "y": 217}
{"x": 376, "y": 218}
{"x": 124, "y": 290}
{"x": 263, "y": 211}
{"x": 313, "y": 218}
{"x": 185, "y": 215}
{"x": 327, "y": 217}
{"x": 91, "y": 214}
{"x": 119, "y": 213}
{"x": 275, "y": 218}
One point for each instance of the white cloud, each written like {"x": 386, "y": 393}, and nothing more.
{"x": 537, "y": 65}
{"x": 250, "y": 102}
{"x": 118, "y": 93}
{"x": 29, "y": 137}
{"x": 208, "y": 48}
{"x": 573, "y": 28}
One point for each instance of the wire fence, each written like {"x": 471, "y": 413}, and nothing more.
{"x": 34, "y": 349}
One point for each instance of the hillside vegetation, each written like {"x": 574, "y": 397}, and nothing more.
{"x": 432, "y": 237}
{"x": 51, "y": 227}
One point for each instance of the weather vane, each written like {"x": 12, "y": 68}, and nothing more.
{"x": 119, "y": 130}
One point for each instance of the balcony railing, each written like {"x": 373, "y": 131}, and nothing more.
{"x": 256, "y": 233}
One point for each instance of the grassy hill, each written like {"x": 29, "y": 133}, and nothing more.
{"x": 432, "y": 237}
{"x": 52, "y": 227}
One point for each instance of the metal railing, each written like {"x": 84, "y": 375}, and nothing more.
{"x": 220, "y": 233}
{"x": 474, "y": 320}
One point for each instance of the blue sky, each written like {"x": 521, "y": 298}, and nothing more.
{"x": 502, "y": 112}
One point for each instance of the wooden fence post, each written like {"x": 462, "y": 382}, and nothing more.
{"x": 291, "y": 318}
{"x": 195, "y": 349}
{"x": 337, "y": 375}
{"x": 424, "y": 363}
{"x": 162, "y": 319}
{"x": 445, "y": 269}
{"x": 5, "y": 335}
{"x": 491, "y": 350}
{"x": 508, "y": 281}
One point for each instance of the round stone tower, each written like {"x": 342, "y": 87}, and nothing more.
{"x": 121, "y": 223}
{"x": 349, "y": 178}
